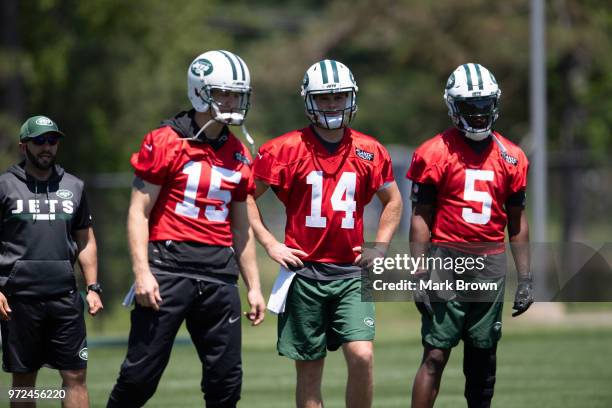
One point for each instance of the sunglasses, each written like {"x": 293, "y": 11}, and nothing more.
{"x": 51, "y": 140}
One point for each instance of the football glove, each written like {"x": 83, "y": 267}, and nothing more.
{"x": 523, "y": 297}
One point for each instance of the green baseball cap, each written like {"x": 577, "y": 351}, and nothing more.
{"x": 36, "y": 126}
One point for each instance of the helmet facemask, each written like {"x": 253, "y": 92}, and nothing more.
{"x": 331, "y": 119}
{"x": 472, "y": 97}
{"x": 230, "y": 106}
{"x": 475, "y": 116}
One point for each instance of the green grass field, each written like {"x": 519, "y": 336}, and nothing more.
{"x": 550, "y": 366}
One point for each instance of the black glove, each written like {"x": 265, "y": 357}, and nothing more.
{"x": 421, "y": 297}
{"x": 523, "y": 297}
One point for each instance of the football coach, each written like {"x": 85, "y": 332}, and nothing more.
{"x": 45, "y": 226}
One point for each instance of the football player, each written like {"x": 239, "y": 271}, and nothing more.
{"x": 468, "y": 184}
{"x": 325, "y": 174}
{"x": 189, "y": 238}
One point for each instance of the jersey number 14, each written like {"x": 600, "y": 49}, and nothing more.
{"x": 342, "y": 199}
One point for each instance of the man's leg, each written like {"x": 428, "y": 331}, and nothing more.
{"x": 74, "y": 381}
{"x": 214, "y": 325}
{"x": 359, "y": 386}
{"x": 151, "y": 338}
{"x": 66, "y": 347}
{"x": 308, "y": 383}
{"x": 483, "y": 332}
{"x": 427, "y": 380}
{"x": 22, "y": 344}
{"x": 21, "y": 380}
{"x": 352, "y": 326}
{"x": 479, "y": 367}
{"x": 302, "y": 337}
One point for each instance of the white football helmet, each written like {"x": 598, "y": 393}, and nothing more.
{"x": 472, "y": 96}
{"x": 328, "y": 77}
{"x": 224, "y": 71}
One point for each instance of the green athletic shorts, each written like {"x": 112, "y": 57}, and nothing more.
{"x": 323, "y": 315}
{"x": 478, "y": 324}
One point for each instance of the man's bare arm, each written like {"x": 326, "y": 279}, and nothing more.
{"x": 276, "y": 250}
{"x": 390, "y": 218}
{"x": 144, "y": 196}
{"x": 88, "y": 259}
{"x": 244, "y": 246}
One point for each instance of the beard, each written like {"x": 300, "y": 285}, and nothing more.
{"x": 41, "y": 163}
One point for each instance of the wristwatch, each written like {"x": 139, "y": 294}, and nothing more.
{"x": 95, "y": 287}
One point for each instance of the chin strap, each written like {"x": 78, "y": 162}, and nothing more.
{"x": 247, "y": 135}
{"x": 248, "y": 138}
{"x": 196, "y": 138}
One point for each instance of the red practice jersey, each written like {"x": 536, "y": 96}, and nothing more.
{"x": 197, "y": 183}
{"x": 471, "y": 187}
{"x": 324, "y": 193}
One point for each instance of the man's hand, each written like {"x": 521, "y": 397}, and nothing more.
{"x": 5, "y": 310}
{"x": 147, "y": 291}
{"x": 258, "y": 307}
{"x": 286, "y": 256}
{"x": 523, "y": 297}
{"x": 366, "y": 256}
{"x": 94, "y": 302}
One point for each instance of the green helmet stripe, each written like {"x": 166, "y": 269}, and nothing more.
{"x": 335, "y": 71}
{"x": 231, "y": 61}
{"x": 324, "y": 71}
{"x": 242, "y": 64}
{"x": 468, "y": 74}
{"x": 480, "y": 83}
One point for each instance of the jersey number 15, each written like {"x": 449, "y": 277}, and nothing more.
{"x": 188, "y": 208}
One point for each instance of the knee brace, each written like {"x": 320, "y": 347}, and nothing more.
{"x": 479, "y": 367}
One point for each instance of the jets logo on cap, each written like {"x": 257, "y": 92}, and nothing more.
{"x": 202, "y": 67}
{"x": 44, "y": 121}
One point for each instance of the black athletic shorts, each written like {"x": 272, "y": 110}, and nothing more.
{"x": 49, "y": 332}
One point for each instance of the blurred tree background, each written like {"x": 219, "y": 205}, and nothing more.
{"x": 108, "y": 71}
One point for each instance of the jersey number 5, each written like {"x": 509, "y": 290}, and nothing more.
{"x": 470, "y": 194}
{"x": 188, "y": 207}
{"x": 345, "y": 188}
